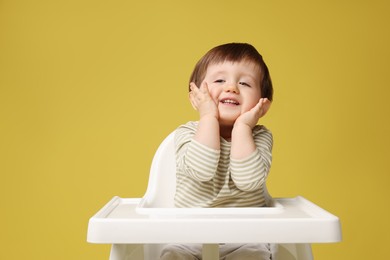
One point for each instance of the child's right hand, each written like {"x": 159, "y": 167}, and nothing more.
{"x": 202, "y": 102}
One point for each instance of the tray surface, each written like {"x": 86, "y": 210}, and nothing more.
{"x": 290, "y": 220}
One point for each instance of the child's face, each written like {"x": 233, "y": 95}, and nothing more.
{"x": 234, "y": 87}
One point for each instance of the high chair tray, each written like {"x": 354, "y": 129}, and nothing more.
{"x": 295, "y": 220}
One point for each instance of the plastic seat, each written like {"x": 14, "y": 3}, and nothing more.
{"x": 117, "y": 221}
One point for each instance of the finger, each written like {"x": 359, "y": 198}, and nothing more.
{"x": 264, "y": 100}
{"x": 204, "y": 88}
{"x": 265, "y": 105}
{"x": 193, "y": 87}
{"x": 193, "y": 101}
{"x": 193, "y": 106}
{"x": 194, "y": 90}
{"x": 258, "y": 106}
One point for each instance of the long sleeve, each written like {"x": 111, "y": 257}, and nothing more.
{"x": 194, "y": 159}
{"x": 250, "y": 173}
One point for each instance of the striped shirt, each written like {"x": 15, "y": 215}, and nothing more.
{"x": 210, "y": 178}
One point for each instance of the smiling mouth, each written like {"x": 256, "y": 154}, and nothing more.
{"x": 230, "y": 102}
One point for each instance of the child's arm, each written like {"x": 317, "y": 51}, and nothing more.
{"x": 250, "y": 158}
{"x": 251, "y": 172}
{"x": 198, "y": 147}
{"x": 208, "y": 128}
{"x": 192, "y": 158}
{"x": 243, "y": 144}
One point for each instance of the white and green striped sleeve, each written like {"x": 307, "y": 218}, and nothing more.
{"x": 193, "y": 158}
{"x": 250, "y": 173}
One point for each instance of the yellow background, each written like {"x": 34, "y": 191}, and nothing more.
{"x": 88, "y": 89}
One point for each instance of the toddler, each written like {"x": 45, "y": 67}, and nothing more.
{"x": 223, "y": 159}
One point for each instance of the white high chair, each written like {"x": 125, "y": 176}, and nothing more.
{"x": 138, "y": 228}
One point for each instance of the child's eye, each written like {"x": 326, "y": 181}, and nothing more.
{"x": 244, "y": 84}
{"x": 219, "y": 81}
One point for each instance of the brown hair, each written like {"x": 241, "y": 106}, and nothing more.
{"x": 234, "y": 52}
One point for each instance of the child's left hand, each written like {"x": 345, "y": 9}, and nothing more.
{"x": 251, "y": 117}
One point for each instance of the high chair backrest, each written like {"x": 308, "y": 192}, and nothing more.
{"x": 162, "y": 178}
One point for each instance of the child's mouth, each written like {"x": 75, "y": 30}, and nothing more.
{"x": 230, "y": 102}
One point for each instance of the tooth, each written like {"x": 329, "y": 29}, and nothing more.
{"x": 229, "y": 101}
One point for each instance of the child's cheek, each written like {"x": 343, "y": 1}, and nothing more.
{"x": 213, "y": 92}
{"x": 249, "y": 107}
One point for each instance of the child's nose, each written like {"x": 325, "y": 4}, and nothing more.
{"x": 232, "y": 88}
